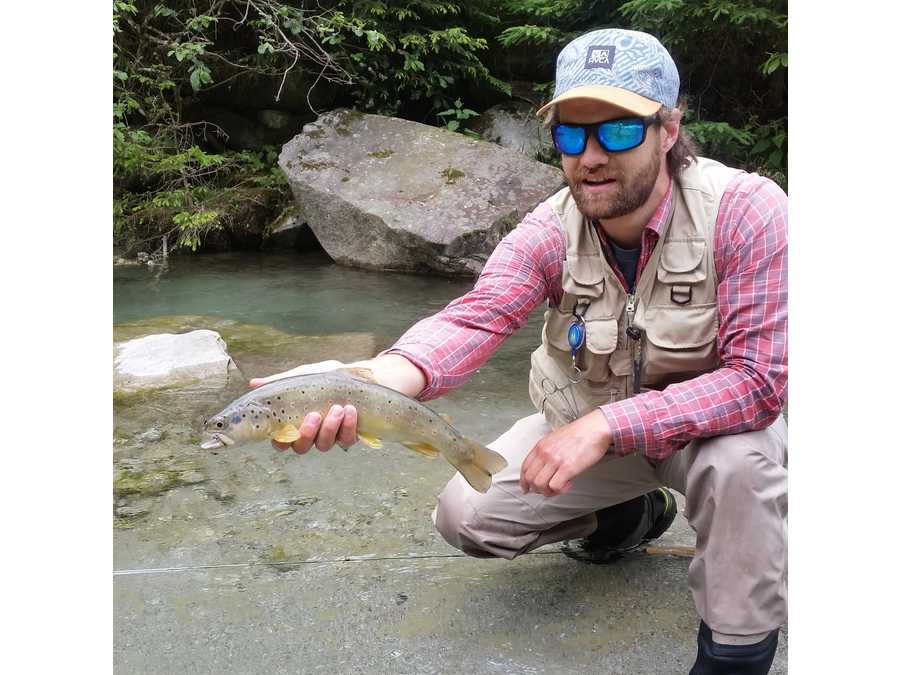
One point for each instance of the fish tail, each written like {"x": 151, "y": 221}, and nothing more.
{"x": 484, "y": 464}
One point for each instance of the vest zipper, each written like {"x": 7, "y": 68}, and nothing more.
{"x": 634, "y": 343}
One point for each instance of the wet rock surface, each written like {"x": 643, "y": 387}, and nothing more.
{"x": 538, "y": 614}
{"x": 390, "y": 194}
{"x": 250, "y": 560}
{"x": 168, "y": 359}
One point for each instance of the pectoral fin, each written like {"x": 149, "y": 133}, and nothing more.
{"x": 286, "y": 433}
{"x": 371, "y": 441}
{"x": 423, "y": 448}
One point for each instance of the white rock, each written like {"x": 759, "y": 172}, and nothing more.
{"x": 164, "y": 360}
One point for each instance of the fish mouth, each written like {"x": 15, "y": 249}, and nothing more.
{"x": 216, "y": 441}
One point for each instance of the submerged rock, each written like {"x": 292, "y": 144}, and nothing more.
{"x": 131, "y": 511}
{"x": 166, "y": 360}
{"x": 152, "y": 435}
{"x": 390, "y": 194}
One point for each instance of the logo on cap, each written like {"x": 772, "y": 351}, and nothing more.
{"x": 600, "y": 56}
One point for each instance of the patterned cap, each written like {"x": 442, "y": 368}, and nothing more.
{"x": 626, "y": 68}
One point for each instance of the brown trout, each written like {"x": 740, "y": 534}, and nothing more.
{"x": 276, "y": 409}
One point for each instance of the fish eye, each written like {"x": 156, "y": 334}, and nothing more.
{"x": 219, "y": 424}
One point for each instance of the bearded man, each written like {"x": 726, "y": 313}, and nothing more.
{"x": 663, "y": 361}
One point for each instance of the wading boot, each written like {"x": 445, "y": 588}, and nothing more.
{"x": 716, "y": 659}
{"x": 625, "y": 527}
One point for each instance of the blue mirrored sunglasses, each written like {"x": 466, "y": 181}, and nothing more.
{"x": 615, "y": 135}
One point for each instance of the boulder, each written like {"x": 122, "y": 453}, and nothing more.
{"x": 166, "y": 359}
{"x": 389, "y": 194}
{"x": 514, "y": 125}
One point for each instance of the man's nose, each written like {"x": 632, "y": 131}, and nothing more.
{"x": 593, "y": 155}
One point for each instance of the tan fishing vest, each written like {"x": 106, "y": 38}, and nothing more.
{"x": 674, "y": 306}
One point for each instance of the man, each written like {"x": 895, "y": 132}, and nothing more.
{"x": 663, "y": 357}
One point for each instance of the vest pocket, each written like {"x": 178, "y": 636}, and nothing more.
{"x": 680, "y": 270}
{"x": 680, "y": 339}
{"x": 600, "y": 341}
{"x": 680, "y": 262}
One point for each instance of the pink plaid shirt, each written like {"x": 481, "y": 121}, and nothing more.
{"x": 746, "y": 392}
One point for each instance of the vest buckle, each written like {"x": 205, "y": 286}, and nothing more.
{"x": 681, "y": 295}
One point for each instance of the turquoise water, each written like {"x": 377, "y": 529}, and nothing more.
{"x": 308, "y": 295}
{"x": 176, "y": 503}
{"x": 303, "y": 294}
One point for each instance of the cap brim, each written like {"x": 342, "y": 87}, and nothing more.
{"x": 621, "y": 98}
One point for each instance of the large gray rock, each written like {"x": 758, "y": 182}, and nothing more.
{"x": 163, "y": 360}
{"x": 389, "y": 194}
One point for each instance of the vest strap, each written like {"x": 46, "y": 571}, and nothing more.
{"x": 681, "y": 295}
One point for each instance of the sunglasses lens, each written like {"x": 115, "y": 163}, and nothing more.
{"x": 569, "y": 139}
{"x": 621, "y": 135}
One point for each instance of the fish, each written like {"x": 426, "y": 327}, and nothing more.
{"x": 276, "y": 409}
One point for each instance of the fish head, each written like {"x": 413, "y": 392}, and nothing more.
{"x": 237, "y": 425}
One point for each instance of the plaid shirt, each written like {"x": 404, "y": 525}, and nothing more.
{"x": 746, "y": 392}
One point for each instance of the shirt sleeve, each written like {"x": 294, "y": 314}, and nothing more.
{"x": 523, "y": 270}
{"x": 748, "y": 390}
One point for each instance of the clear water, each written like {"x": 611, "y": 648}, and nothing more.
{"x": 219, "y": 507}
{"x": 308, "y": 295}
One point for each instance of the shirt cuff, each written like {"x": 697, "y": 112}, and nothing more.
{"x": 432, "y": 383}
{"x": 626, "y": 423}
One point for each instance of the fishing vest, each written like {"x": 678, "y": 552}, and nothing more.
{"x": 672, "y": 315}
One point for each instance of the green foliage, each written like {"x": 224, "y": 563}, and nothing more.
{"x": 409, "y": 57}
{"x": 528, "y": 34}
{"x": 454, "y": 117}
{"x": 422, "y": 60}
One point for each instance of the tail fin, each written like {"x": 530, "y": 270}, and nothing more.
{"x": 484, "y": 464}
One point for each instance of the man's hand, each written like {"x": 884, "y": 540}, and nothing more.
{"x": 564, "y": 453}
{"x": 339, "y": 424}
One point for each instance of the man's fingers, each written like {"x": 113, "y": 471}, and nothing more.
{"x": 308, "y": 430}
{"x": 347, "y": 433}
{"x": 523, "y": 472}
{"x": 281, "y": 447}
{"x": 328, "y": 430}
{"x": 539, "y": 482}
{"x": 560, "y": 482}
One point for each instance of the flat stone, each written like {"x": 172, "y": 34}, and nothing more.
{"x": 171, "y": 359}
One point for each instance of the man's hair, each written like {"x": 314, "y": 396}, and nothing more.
{"x": 679, "y": 156}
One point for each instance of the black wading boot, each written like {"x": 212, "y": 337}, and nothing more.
{"x": 625, "y": 527}
{"x": 716, "y": 659}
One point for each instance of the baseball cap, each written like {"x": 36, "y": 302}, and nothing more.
{"x": 626, "y": 68}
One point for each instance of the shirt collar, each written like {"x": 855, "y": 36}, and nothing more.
{"x": 661, "y": 215}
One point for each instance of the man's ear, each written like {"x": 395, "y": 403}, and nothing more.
{"x": 671, "y": 129}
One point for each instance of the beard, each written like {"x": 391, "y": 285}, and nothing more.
{"x": 629, "y": 193}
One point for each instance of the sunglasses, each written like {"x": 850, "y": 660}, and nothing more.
{"x": 615, "y": 135}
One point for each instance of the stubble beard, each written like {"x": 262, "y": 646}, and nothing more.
{"x": 629, "y": 195}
